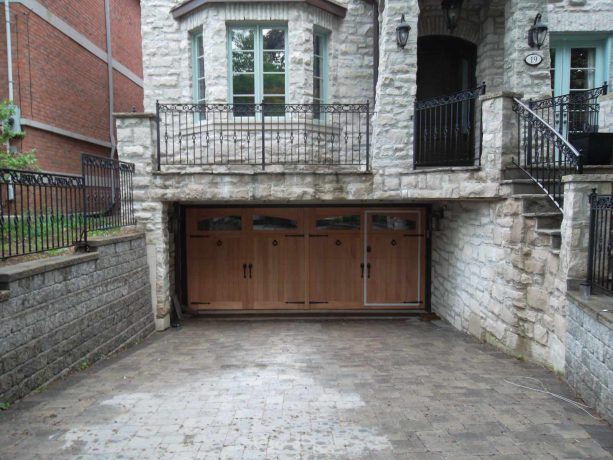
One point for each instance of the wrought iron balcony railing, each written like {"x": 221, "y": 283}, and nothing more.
{"x": 573, "y": 113}
{"x": 263, "y": 134}
{"x": 600, "y": 256}
{"x": 444, "y": 130}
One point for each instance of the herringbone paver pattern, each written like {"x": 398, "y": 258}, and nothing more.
{"x": 387, "y": 389}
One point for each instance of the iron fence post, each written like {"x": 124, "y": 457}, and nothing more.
{"x": 84, "y": 207}
{"x": 157, "y": 124}
{"x": 414, "y": 135}
{"x": 263, "y": 137}
{"x": 590, "y": 253}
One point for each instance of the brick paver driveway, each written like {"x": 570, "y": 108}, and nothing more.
{"x": 303, "y": 389}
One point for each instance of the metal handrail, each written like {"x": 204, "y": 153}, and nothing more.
{"x": 547, "y": 154}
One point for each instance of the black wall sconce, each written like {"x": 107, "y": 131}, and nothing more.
{"x": 452, "y": 12}
{"x": 537, "y": 33}
{"x": 402, "y": 33}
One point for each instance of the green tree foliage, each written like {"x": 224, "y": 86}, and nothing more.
{"x": 8, "y": 160}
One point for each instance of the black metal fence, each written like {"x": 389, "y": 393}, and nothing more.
{"x": 600, "y": 255}
{"x": 572, "y": 113}
{"x": 263, "y": 134}
{"x": 543, "y": 153}
{"x": 43, "y": 211}
{"x": 444, "y": 130}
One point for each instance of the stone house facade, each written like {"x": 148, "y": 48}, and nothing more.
{"x": 499, "y": 255}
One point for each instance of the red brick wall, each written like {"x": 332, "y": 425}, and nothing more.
{"x": 60, "y": 83}
{"x": 87, "y": 16}
{"x": 126, "y": 41}
{"x": 58, "y": 153}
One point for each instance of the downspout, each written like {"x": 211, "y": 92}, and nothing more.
{"x": 9, "y": 48}
{"x": 109, "y": 60}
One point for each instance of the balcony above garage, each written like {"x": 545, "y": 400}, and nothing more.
{"x": 253, "y": 137}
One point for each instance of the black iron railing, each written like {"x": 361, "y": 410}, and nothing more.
{"x": 543, "y": 153}
{"x": 444, "y": 130}
{"x": 263, "y": 134}
{"x": 600, "y": 255}
{"x": 44, "y": 211}
{"x": 39, "y": 212}
{"x": 108, "y": 197}
{"x": 573, "y": 113}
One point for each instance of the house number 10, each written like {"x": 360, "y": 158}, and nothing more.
{"x": 534, "y": 59}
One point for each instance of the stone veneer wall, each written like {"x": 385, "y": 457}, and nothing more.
{"x": 495, "y": 278}
{"x": 589, "y": 351}
{"x": 60, "y": 311}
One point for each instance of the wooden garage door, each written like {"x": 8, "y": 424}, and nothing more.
{"x": 305, "y": 258}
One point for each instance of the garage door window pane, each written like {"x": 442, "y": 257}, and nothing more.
{"x": 224, "y": 223}
{"x": 273, "y": 223}
{"x": 386, "y": 222}
{"x": 338, "y": 223}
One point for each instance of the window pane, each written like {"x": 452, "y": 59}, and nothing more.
{"x": 273, "y": 39}
{"x": 200, "y": 67}
{"x": 581, "y": 79}
{"x": 383, "y": 222}
{"x": 273, "y": 223}
{"x": 220, "y": 224}
{"x": 243, "y": 84}
{"x": 317, "y": 67}
{"x": 274, "y": 83}
{"x": 199, "y": 45}
{"x": 274, "y": 61}
{"x": 244, "y": 106}
{"x": 316, "y": 88}
{"x": 317, "y": 44}
{"x": 242, "y": 39}
{"x": 338, "y": 223}
{"x": 582, "y": 57}
{"x": 242, "y": 61}
{"x": 201, "y": 88}
{"x": 277, "y": 110}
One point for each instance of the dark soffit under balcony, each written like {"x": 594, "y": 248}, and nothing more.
{"x": 189, "y": 6}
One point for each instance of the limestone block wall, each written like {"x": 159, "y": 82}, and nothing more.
{"x": 168, "y": 72}
{"x": 494, "y": 277}
{"x": 589, "y": 352}
{"x": 605, "y": 117}
{"x": 62, "y": 311}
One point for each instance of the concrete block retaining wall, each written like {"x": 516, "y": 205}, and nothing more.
{"x": 589, "y": 351}
{"x": 59, "y": 312}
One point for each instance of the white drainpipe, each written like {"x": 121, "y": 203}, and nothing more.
{"x": 9, "y": 49}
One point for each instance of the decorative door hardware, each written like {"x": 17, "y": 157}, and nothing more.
{"x": 245, "y": 271}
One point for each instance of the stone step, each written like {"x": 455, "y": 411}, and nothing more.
{"x": 535, "y": 202}
{"x": 555, "y": 236}
{"x": 546, "y": 220}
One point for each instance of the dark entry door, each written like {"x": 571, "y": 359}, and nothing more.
{"x": 445, "y": 65}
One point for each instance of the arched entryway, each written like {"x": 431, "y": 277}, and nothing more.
{"x": 445, "y": 65}
{"x": 445, "y": 121}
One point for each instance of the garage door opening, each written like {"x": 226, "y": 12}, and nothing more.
{"x": 305, "y": 258}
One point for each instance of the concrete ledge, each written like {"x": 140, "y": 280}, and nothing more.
{"x": 595, "y": 306}
{"x": 588, "y": 178}
{"x": 113, "y": 239}
{"x": 440, "y": 169}
{"x": 496, "y": 94}
{"x": 134, "y": 115}
{"x": 257, "y": 171}
{"x": 36, "y": 267}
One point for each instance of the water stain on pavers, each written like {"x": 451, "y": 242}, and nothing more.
{"x": 303, "y": 389}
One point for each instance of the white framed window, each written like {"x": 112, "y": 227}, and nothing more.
{"x": 320, "y": 71}
{"x": 578, "y": 62}
{"x": 198, "y": 81}
{"x": 257, "y": 67}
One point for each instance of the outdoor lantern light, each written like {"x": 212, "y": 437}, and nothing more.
{"x": 402, "y": 33}
{"x": 537, "y": 33}
{"x": 452, "y": 12}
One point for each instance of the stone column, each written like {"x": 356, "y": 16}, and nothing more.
{"x": 136, "y": 143}
{"x": 533, "y": 82}
{"x": 396, "y": 89}
{"x": 499, "y": 132}
{"x": 576, "y": 224}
